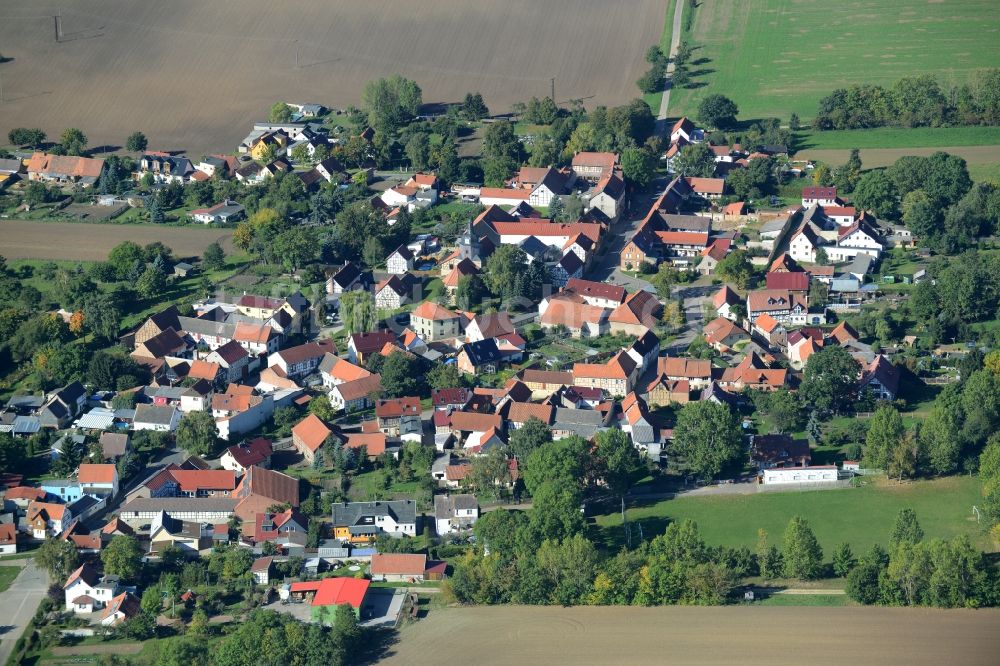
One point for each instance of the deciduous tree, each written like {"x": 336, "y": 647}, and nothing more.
{"x": 197, "y": 433}
{"x": 706, "y": 437}
{"x": 801, "y": 551}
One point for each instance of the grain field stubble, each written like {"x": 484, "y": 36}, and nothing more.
{"x": 684, "y": 635}
{"x": 194, "y": 75}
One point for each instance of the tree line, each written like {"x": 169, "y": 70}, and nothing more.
{"x": 913, "y": 101}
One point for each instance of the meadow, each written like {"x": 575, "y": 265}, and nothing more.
{"x": 860, "y": 516}
{"x": 776, "y": 57}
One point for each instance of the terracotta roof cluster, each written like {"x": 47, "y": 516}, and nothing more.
{"x": 65, "y": 165}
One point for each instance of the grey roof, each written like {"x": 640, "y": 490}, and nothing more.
{"x": 159, "y": 415}
{"x": 26, "y": 401}
{"x": 844, "y": 284}
{"x": 686, "y": 222}
{"x": 446, "y": 505}
{"x": 181, "y": 504}
{"x": 204, "y": 327}
{"x": 10, "y": 165}
{"x": 354, "y": 513}
{"x": 168, "y": 392}
{"x": 565, "y": 415}
{"x": 774, "y": 225}
{"x": 482, "y": 351}
{"x": 26, "y": 425}
{"x": 860, "y": 265}
{"x": 114, "y": 444}
{"x": 82, "y": 505}
{"x": 582, "y": 422}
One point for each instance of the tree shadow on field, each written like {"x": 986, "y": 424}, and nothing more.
{"x": 436, "y": 108}
{"x": 378, "y": 646}
{"x": 106, "y": 148}
{"x": 613, "y": 538}
{"x": 5, "y": 59}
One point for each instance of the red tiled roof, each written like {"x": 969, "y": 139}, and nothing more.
{"x": 78, "y": 167}
{"x": 689, "y": 368}
{"x": 433, "y": 311}
{"x": 697, "y": 238}
{"x": 312, "y": 432}
{"x": 766, "y": 323}
{"x": 374, "y": 442}
{"x": 612, "y": 292}
{"x": 725, "y": 295}
{"x": 793, "y": 281}
{"x": 398, "y": 564}
{"x": 707, "y": 185}
{"x": 193, "y": 480}
{"x": 473, "y": 422}
{"x": 594, "y": 159}
{"x": 96, "y": 474}
{"x": 504, "y": 193}
{"x": 397, "y": 407}
{"x": 520, "y": 412}
{"x": 24, "y": 493}
{"x": 339, "y": 590}
{"x": 774, "y": 299}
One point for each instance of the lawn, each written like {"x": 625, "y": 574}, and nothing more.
{"x": 775, "y": 57}
{"x": 896, "y": 137}
{"x": 860, "y": 516}
{"x": 986, "y": 173}
{"x": 7, "y": 576}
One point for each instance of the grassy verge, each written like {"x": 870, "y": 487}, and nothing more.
{"x": 653, "y": 99}
{"x": 860, "y": 516}
{"x": 7, "y": 576}
{"x": 827, "y": 600}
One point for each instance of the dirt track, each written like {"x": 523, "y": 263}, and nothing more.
{"x": 25, "y": 239}
{"x": 878, "y": 157}
{"x": 727, "y": 635}
{"x": 194, "y": 75}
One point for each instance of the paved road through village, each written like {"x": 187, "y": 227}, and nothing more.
{"x": 18, "y": 604}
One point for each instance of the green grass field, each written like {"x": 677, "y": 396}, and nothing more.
{"x": 775, "y": 57}
{"x": 987, "y": 173}
{"x": 860, "y": 516}
{"x": 918, "y": 137}
{"x": 7, "y": 576}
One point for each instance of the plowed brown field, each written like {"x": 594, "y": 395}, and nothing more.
{"x": 679, "y": 635}
{"x": 193, "y": 75}
{"x": 25, "y": 239}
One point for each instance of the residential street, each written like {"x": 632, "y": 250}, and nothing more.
{"x": 19, "y": 603}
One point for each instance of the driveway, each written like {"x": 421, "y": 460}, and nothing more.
{"x": 694, "y": 296}
{"x": 19, "y": 603}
